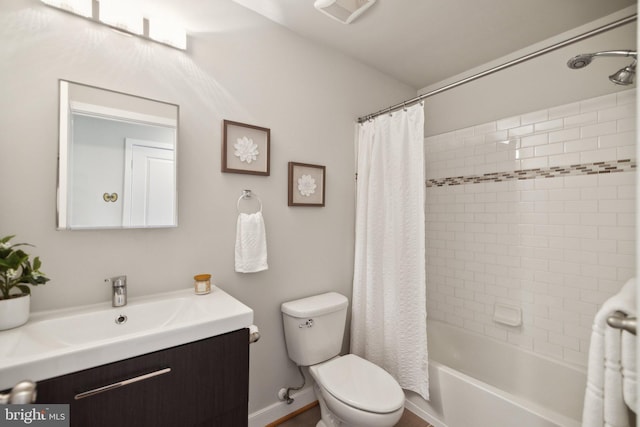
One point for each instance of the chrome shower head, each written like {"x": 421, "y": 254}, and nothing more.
{"x": 625, "y": 75}
{"x": 580, "y": 61}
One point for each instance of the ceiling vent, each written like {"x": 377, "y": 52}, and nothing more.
{"x": 344, "y": 11}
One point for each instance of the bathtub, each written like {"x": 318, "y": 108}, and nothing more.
{"x": 480, "y": 382}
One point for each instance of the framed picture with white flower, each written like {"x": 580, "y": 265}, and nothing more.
{"x": 306, "y": 184}
{"x": 245, "y": 148}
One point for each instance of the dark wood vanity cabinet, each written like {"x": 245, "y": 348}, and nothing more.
{"x": 207, "y": 385}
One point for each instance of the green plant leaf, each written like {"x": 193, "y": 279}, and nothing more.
{"x": 16, "y": 268}
{"x": 25, "y": 289}
{"x": 6, "y": 239}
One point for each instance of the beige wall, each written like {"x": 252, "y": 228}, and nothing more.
{"x": 249, "y": 70}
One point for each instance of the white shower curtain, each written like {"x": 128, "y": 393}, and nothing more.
{"x": 389, "y": 319}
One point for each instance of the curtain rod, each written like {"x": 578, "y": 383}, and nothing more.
{"x": 575, "y": 39}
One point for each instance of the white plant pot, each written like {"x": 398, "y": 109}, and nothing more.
{"x": 14, "y": 311}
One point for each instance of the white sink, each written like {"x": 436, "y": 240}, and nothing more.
{"x": 108, "y": 323}
{"x": 58, "y": 342}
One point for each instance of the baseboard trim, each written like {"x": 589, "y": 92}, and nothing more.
{"x": 419, "y": 412}
{"x": 287, "y": 417}
{"x": 275, "y": 412}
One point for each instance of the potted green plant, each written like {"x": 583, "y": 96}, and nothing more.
{"x": 17, "y": 272}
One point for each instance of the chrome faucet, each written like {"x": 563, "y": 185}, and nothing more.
{"x": 119, "y": 290}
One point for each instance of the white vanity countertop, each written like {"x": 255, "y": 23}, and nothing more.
{"x": 58, "y": 342}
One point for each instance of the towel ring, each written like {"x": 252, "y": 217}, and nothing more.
{"x": 247, "y": 194}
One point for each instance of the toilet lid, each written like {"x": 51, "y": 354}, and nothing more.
{"x": 361, "y": 384}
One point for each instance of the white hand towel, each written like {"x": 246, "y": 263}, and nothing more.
{"x": 604, "y": 403}
{"x": 251, "y": 243}
{"x": 629, "y": 372}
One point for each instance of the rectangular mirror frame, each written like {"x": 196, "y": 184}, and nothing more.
{"x": 78, "y": 102}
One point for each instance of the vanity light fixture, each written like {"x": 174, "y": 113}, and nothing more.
{"x": 117, "y": 15}
{"x": 121, "y": 17}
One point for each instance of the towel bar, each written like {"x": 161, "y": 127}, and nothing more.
{"x": 620, "y": 320}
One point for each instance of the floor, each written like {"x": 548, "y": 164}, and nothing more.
{"x": 310, "y": 417}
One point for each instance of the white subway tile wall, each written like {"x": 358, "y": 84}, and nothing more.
{"x": 536, "y": 211}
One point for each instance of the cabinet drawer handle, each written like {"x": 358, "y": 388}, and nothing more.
{"x": 121, "y": 383}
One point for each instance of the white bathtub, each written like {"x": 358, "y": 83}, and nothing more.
{"x": 480, "y": 382}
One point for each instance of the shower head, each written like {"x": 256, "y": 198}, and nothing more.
{"x": 625, "y": 75}
{"x": 580, "y": 61}
{"x": 584, "y": 59}
{"x": 622, "y": 77}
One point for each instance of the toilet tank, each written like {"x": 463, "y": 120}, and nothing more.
{"x": 314, "y": 327}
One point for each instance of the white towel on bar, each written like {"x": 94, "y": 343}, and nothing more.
{"x": 629, "y": 372}
{"x": 604, "y": 402}
{"x": 251, "y": 243}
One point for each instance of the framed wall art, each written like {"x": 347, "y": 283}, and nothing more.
{"x": 306, "y": 184}
{"x": 245, "y": 148}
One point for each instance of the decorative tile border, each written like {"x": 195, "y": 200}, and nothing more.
{"x": 614, "y": 166}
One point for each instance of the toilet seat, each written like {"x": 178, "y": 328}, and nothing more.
{"x": 360, "y": 384}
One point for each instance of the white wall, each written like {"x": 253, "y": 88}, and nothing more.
{"x": 549, "y": 230}
{"x": 249, "y": 70}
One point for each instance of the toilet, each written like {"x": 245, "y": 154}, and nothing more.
{"x": 352, "y": 391}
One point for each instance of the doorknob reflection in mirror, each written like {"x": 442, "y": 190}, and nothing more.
{"x": 110, "y": 197}
{"x": 115, "y": 141}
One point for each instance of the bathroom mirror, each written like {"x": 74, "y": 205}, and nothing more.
{"x": 116, "y": 160}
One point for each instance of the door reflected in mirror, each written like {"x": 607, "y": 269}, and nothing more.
{"x": 116, "y": 161}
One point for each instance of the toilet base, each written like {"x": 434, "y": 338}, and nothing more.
{"x": 352, "y": 417}
{"x": 327, "y": 419}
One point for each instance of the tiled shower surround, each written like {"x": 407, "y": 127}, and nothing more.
{"x": 535, "y": 211}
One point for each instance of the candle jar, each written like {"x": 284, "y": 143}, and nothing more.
{"x": 202, "y": 284}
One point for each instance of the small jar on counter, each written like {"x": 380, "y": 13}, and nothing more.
{"x": 202, "y": 284}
